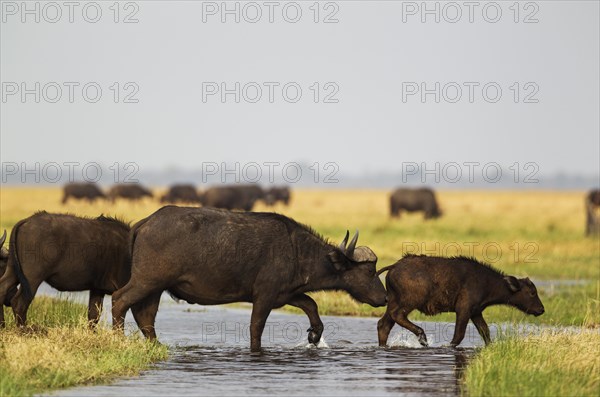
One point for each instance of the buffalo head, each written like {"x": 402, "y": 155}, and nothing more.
{"x": 356, "y": 268}
{"x": 524, "y": 295}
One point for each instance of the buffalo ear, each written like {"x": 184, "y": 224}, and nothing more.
{"x": 338, "y": 260}
{"x": 528, "y": 281}
{"x": 512, "y": 283}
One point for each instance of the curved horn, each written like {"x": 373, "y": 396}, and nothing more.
{"x": 350, "y": 251}
{"x": 3, "y": 238}
{"x": 345, "y": 241}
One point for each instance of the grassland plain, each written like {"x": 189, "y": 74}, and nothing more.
{"x": 524, "y": 233}
{"x": 59, "y": 350}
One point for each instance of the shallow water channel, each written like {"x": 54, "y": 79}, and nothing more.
{"x": 210, "y": 355}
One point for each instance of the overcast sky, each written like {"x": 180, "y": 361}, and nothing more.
{"x": 374, "y": 58}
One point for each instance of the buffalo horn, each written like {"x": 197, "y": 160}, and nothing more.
{"x": 345, "y": 241}
{"x": 350, "y": 250}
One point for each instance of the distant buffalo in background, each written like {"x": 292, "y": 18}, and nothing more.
{"x": 181, "y": 194}
{"x": 592, "y": 204}
{"x": 129, "y": 191}
{"x": 276, "y": 194}
{"x": 232, "y": 197}
{"x": 82, "y": 191}
{"x": 411, "y": 200}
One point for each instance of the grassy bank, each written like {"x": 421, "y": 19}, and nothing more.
{"x": 60, "y": 351}
{"x": 549, "y": 364}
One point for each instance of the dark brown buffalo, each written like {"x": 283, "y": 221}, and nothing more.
{"x": 211, "y": 256}
{"x": 232, "y": 197}
{"x": 70, "y": 254}
{"x": 592, "y": 204}
{"x": 411, "y": 200}
{"x": 3, "y": 264}
{"x": 249, "y": 194}
{"x": 87, "y": 191}
{"x": 3, "y": 254}
{"x": 277, "y": 194}
{"x": 462, "y": 285}
{"x": 129, "y": 191}
{"x": 181, "y": 194}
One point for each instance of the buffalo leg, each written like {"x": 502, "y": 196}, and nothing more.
{"x": 384, "y": 326}
{"x": 8, "y": 282}
{"x": 309, "y": 306}
{"x": 95, "y": 307}
{"x": 482, "y": 327}
{"x": 20, "y": 302}
{"x": 258, "y": 319}
{"x": 123, "y": 299}
{"x": 144, "y": 313}
{"x": 401, "y": 318}
{"x": 462, "y": 319}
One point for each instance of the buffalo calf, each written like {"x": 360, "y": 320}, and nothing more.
{"x": 433, "y": 285}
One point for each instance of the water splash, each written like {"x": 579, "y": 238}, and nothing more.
{"x": 404, "y": 340}
{"x": 321, "y": 345}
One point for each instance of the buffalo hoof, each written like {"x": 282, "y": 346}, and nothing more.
{"x": 314, "y": 336}
{"x": 423, "y": 341}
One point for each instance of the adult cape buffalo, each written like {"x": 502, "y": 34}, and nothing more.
{"x": 275, "y": 194}
{"x": 87, "y": 191}
{"x": 232, "y": 197}
{"x": 211, "y": 256}
{"x": 411, "y": 200}
{"x": 181, "y": 194}
{"x": 3, "y": 263}
{"x": 3, "y": 254}
{"x": 70, "y": 254}
{"x": 592, "y": 219}
{"x": 128, "y": 191}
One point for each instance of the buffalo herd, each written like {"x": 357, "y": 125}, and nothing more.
{"x": 212, "y": 255}
{"x": 231, "y": 197}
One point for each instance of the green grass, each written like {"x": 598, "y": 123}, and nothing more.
{"x": 48, "y": 312}
{"x": 559, "y": 363}
{"x": 59, "y": 350}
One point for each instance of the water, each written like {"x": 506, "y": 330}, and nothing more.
{"x": 210, "y": 355}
